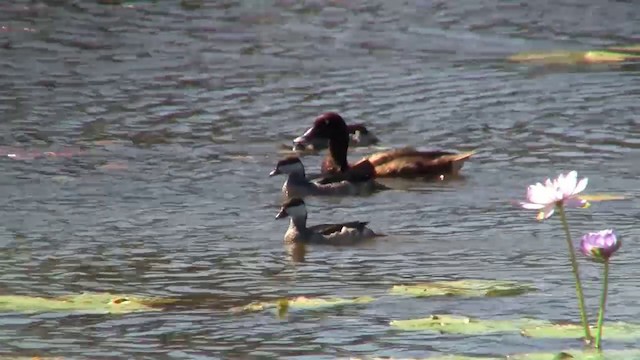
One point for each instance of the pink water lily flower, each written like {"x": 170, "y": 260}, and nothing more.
{"x": 561, "y": 191}
{"x": 600, "y": 245}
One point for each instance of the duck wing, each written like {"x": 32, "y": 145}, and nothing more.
{"x": 409, "y": 162}
{"x": 350, "y": 176}
{"x": 328, "y": 229}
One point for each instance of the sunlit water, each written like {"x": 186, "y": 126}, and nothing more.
{"x": 195, "y": 104}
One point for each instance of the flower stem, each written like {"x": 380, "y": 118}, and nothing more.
{"x": 603, "y": 301}
{"x": 574, "y": 265}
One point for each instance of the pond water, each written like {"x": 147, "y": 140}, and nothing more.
{"x": 168, "y": 120}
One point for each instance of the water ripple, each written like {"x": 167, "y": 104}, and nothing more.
{"x": 167, "y": 120}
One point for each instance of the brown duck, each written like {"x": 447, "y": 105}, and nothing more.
{"x": 405, "y": 162}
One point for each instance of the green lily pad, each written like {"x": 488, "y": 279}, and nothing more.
{"x": 302, "y": 303}
{"x": 572, "y": 57}
{"x": 580, "y": 355}
{"x": 629, "y": 48}
{"x": 32, "y": 358}
{"x": 601, "y": 197}
{"x": 465, "y": 288}
{"x": 437, "y": 357}
{"x": 462, "y": 357}
{"x": 618, "y": 331}
{"x": 99, "y": 303}
{"x": 601, "y": 56}
{"x": 453, "y": 324}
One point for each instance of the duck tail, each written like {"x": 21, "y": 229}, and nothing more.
{"x": 462, "y": 156}
{"x": 458, "y": 160}
{"x": 380, "y": 187}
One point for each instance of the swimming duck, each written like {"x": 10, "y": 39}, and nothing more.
{"x": 330, "y": 234}
{"x": 359, "y": 135}
{"x": 405, "y": 162}
{"x": 298, "y": 186}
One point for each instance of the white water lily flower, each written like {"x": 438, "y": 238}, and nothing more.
{"x": 562, "y": 191}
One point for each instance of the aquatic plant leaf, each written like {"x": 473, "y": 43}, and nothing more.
{"x": 462, "y": 357}
{"x": 629, "y": 48}
{"x": 607, "y": 56}
{"x": 551, "y": 57}
{"x": 601, "y": 197}
{"x": 580, "y": 355}
{"x": 283, "y": 307}
{"x": 453, "y": 324}
{"x": 464, "y": 288}
{"x": 303, "y": 303}
{"x": 32, "y": 358}
{"x": 572, "y": 57}
{"x": 437, "y": 357}
{"x": 94, "y": 303}
{"x": 618, "y": 331}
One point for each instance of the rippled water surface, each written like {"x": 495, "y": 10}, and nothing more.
{"x": 168, "y": 120}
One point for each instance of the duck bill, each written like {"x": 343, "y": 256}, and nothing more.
{"x": 275, "y": 172}
{"x": 282, "y": 214}
{"x": 306, "y": 138}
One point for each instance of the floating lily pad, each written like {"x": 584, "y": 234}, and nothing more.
{"x": 560, "y": 355}
{"x": 573, "y": 57}
{"x": 629, "y": 48}
{"x": 618, "y": 331}
{"x": 303, "y": 303}
{"x": 455, "y": 324}
{"x": 437, "y": 357}
{"x": 99, "y": 303}
{"x": 462, "y": 357}
{"x": 452, "y": 324}
{"x": 580, "y": 355}
{"x": 602, "y": 197}
{"x": 464, "y": 288}
{"x": 32, "y": 358}
{"x": 607, "y": 56}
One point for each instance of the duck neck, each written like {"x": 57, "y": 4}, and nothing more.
{"x": 338, "y": 147}
{"x": 298, "y": 174}
{"x": 298, "y": 223}
{"x": 297, "y": 179}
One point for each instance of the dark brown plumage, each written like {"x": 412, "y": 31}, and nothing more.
{"x": 405, "y": 162}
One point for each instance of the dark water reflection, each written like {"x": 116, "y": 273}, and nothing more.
{"x": 179, "y": 114}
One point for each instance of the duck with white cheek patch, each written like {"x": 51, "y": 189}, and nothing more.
{"x": 298, "y": 186}
{"x": 330, "y": 234}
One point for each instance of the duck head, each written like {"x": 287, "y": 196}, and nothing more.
{"x": 330, "y": 126}
{"x": 294, "y": 208}
{"x": 358, "y": 135}
{"x": 327, "y": 127}
{"x": 361, "y": 135}
{"x": 289, "y": 165}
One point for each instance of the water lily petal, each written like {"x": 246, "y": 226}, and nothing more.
{"x": 567, "y": 183}
{"x": 546, "y": 212}
{"x": 540, "y": 194}
{"x": 531, "y": 206}
{"x": 582, "y": 184}
{"x": 601, "y": 245}
{"x": 586, "y": 247}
